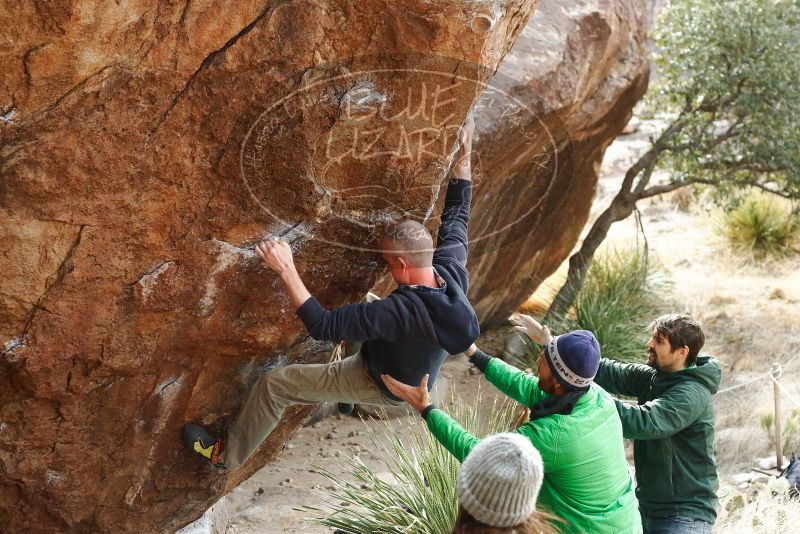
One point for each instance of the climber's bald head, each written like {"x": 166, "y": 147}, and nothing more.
{"x": 410, "y": 242}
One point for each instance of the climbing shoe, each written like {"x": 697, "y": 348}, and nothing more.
{"x": 346, "y": 408}
{"x": 201, "y": 442}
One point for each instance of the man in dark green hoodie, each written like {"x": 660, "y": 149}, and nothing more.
{"x": 672, "y": 427}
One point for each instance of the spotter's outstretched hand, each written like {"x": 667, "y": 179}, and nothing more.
{"x": 528, "y": 325}
{"x": 417, "y": 397}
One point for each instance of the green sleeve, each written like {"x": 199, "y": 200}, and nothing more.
{"x": 518, "y": 385}
{"x": 629, "y": 379}
{"x": 678, "y": 408}
{"x": 450, "y": 434}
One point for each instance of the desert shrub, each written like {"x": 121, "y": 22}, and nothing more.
{"x": 618, "y": 299}
{"x": 761, "y": 225}
{"x": 790, "y": 431}
{"x": 422, "y": 497}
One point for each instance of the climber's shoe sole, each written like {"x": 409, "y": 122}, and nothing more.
{"x": 346, "y": 408}
{"x": 203, "y": 444}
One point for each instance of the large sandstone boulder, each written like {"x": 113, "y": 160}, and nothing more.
{"x": 562, "y": 94}
{"x": 146, "y": 146}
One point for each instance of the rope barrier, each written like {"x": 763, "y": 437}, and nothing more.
{"x": 772, "y": 375}
{"x": 786, "y": 392}
{"x": 737, "y": 386}
{"x": 779, "y": 388}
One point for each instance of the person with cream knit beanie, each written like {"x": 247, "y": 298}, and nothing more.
{"x": 498, "y": 486}
{"x": 500, "y": 480}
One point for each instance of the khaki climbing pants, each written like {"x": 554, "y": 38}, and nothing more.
{"x": 345, "y": 380}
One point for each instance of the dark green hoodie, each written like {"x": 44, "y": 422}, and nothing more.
{"x": 673, "y": 432}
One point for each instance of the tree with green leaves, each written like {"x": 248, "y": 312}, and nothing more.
{"x": 727, "y": 73}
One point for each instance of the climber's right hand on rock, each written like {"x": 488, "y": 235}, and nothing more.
{"x": 528, "y": 325}
{"x": 277, "y": 254}
{"x": 462, "y": 168}
{"x": 466, "y": 131}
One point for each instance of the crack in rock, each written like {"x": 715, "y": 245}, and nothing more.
{"x": 148, "y": 281}
{"x": 63, "y": 270}
{"x": 209, "y": 59}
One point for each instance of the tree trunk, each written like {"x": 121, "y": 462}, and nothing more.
{"x": 621, "y": 207}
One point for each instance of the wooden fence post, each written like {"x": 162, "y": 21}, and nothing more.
{"x": 776, "y": 372}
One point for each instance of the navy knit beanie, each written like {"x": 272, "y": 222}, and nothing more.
{"x": 574, "y": 358}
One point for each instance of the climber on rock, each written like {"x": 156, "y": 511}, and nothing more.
{"x": 407, "y": 335}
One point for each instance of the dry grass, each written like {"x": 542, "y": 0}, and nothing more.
{"x": 682, "y": 199}
{"x": 766, "y": 509}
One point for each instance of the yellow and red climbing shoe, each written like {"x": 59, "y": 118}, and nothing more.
{"x": 201, "y": 442}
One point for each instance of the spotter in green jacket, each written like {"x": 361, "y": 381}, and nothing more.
{"x": 587, "y": 482}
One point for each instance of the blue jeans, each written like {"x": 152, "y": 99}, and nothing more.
{"x": 676, "y": 524}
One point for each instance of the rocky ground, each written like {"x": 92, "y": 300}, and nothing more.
{"x": 751, "y": 314}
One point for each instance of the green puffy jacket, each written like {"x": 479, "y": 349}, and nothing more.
{"x": 586, "y": 480}
{"x": 673, "y": 433}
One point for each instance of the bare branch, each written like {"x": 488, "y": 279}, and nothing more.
{"x": 645, "y": 179}
{"x": 777, "y": 192}
{"x": 672, "y": 186}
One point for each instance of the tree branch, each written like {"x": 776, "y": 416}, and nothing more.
{"x": 777, "y": 192}
{"x": 648, "y": 160}
{"x": 672, "y": 186}
{"x": 648, "y": 172}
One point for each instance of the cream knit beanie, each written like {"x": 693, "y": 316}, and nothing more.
{"x": 500, "y": 480}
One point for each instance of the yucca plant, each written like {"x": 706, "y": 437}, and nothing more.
{"x": 761, "y": 226}
{"x": 790, "y": 430}
{"x": 619, "y": 297}
{"x": 617, "y": 301}
{"x": 422, "y": 497}
{"x": 527, "y": 352}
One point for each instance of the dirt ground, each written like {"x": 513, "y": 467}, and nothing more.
{"x": 751, "y": 315}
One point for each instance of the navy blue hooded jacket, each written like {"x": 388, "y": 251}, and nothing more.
{"x": 409, "y": 333}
